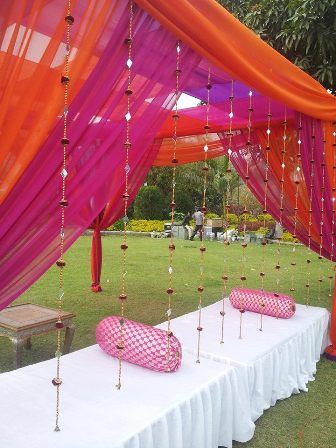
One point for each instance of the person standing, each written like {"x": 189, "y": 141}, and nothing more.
{"x": 186, "y": 224}
{"x": 198, "y": 216}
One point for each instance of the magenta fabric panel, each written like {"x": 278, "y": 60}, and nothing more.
{"x": 29, "y": 235}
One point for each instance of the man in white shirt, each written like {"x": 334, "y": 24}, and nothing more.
{"x": 198, "y": 216}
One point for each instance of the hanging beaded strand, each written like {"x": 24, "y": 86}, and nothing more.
{"x": 205, "y": 170}
{"x": 296, "y": 207}
{"x": 125, "y": 196}
{"x": 320, "y": 257}
{"x": 65, "y": 80}
{"x": 310, "y": 222}
{"x": 225, "y": 220}
{"x": 174, "y": 161}
{"x": 331, "y": 274}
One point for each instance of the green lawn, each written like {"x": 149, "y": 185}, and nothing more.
{"x": 300, "y": 421}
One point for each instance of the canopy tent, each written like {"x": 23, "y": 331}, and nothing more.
{"x": 31, "y": 48}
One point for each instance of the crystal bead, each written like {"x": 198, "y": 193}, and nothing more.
{"x": 57, "y": 381}
{"x": 57, "y": 428}
{"x": 250, "y": 93}
{"x": 206, "y": 148}
{"x": 127, "y": 168}
{"x": 65, "y": 110}
{"x": 170, "y": 270}
{"x": 64, "y": 173}
{"x": 297, "y": 168}
{"x": 60, "y": 294}
{"x": 121, "y": 322}
{"x": 283, "y": 165}
{"x": 178, "y": 49}
{"x": 62, "y": 234}
{"x": 284, "y": 137}
{"x": 128, "y": 116}
{"x": 129, "y": 63}
{"x": 231, "y": 115}
{"x": 199, "y": 307}
{"x": 58, "y": 353}
{"x": 268, "y": 131}
{"x": 299, "y": 142}
{"x": 229, "y": 151}
{"x": 168, "y": 312}
{"x": 125, "y": 219}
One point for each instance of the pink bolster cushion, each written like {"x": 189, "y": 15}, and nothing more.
{"x": 144, "y": 345}
{"x": 270, "y": 303}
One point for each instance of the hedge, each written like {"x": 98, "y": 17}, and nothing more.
{"x": 140, "y": 225}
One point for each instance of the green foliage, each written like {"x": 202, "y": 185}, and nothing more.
{"x": 266, "y": 217}
{"x": 304, "y": 31}
{"x": 149, "y": 204}
{"x": 262, "y": 230}
{"x": 140, "y": 225}
{"x": 211, "y": 216}
{"x": 287, "y": 237}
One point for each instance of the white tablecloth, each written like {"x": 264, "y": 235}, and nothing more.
{"x": 272, "y": 364}
{"x": 199, "y": 406}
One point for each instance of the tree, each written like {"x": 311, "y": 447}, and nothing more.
{"x": 149, "y": 203}
{"x": 304, "y": 31}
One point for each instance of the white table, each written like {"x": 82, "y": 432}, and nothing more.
{"x": 199, "y": 406}
{"x": 272, "y": 364}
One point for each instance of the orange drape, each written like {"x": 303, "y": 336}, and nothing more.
{"x": 31, "y": 95}
{"x": 214, "y": 33}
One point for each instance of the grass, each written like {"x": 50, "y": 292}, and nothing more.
{"x": 303, "y": 420}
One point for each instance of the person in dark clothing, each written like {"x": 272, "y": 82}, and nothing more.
{"x": 186, "y": 224}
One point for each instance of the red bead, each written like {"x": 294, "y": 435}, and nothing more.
{"x": 65, "y": 141}
{"x": 228, "y": 170}
{"x": 225, "y": 277}
{"x": 128, "y": 41}
{"x": 209, "y": 86}
{"x": 170, "y": 334}
{"x": 262, "y": 274}
{"x": 120, "y": 346}
{"x": 276, "y": 294}
{"x": 199, "y": 328}
{"x": 241, "y": 310}
{"x": 200, "y": 289}
{"x": 176, "y": 116}
{"x": 268, "y": 148}
{"x": 125, "y": 196}
{"x": 204, "y": 209}
{"x": 59, "y": 324}
{"x": 277, "y": 266}
{"x": 205, "y": 168}
{"x": 247, "y": 177}
{"x": 308, "y": 261}
{"x": 245, "y": 211}
{"x": 292, "y": 289}
{"x": 178, "y": 71}
{"x": 293, "y": 263}
{"x": 123, "y": 296}
{"x": 206, "y": 127}
{"x": 243, "y": 278}
{"x": 320, "y": 257}
{"x": 244, "y": 245}
{"x": 222, "y": 313}
{"x": 56, "y": 381}
{"x": 69, "y": 19}
{"x": 171, "y": 246}
{"x": 127, "y": 144}
{"x": 63, "y": 203}
{"x": 170, "y": 291}
{"x": 174, "y": 160}
{"x": 60, "y": 263}
{"x": 128, "y": 92}
{"x": 263, "y": 242}
{"x": 65, "y": 79}
{"x": 202, "y": 249}
{"x": 124, "y": 246}
{"x": 172, "y": 204}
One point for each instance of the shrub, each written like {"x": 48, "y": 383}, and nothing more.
{"x": 288, "y": 238}
{"x": 143, "y": 225}
{"x": 266, "y": 217}
{"x": 232, "y": 218}
{"x": 211, "y": 215}
{"x": 262, "y": 230}
{"x": 149, "y": 204}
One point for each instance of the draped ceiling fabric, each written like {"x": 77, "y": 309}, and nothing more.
{"x": 31, "y": 62}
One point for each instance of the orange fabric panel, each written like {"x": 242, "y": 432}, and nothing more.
{"x": 214, "y": 33}
{"x": 31, "y": 95}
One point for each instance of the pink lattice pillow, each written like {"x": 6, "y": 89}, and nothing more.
{"x": 270, "y": 303}
{"x": 143, "y": 345}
